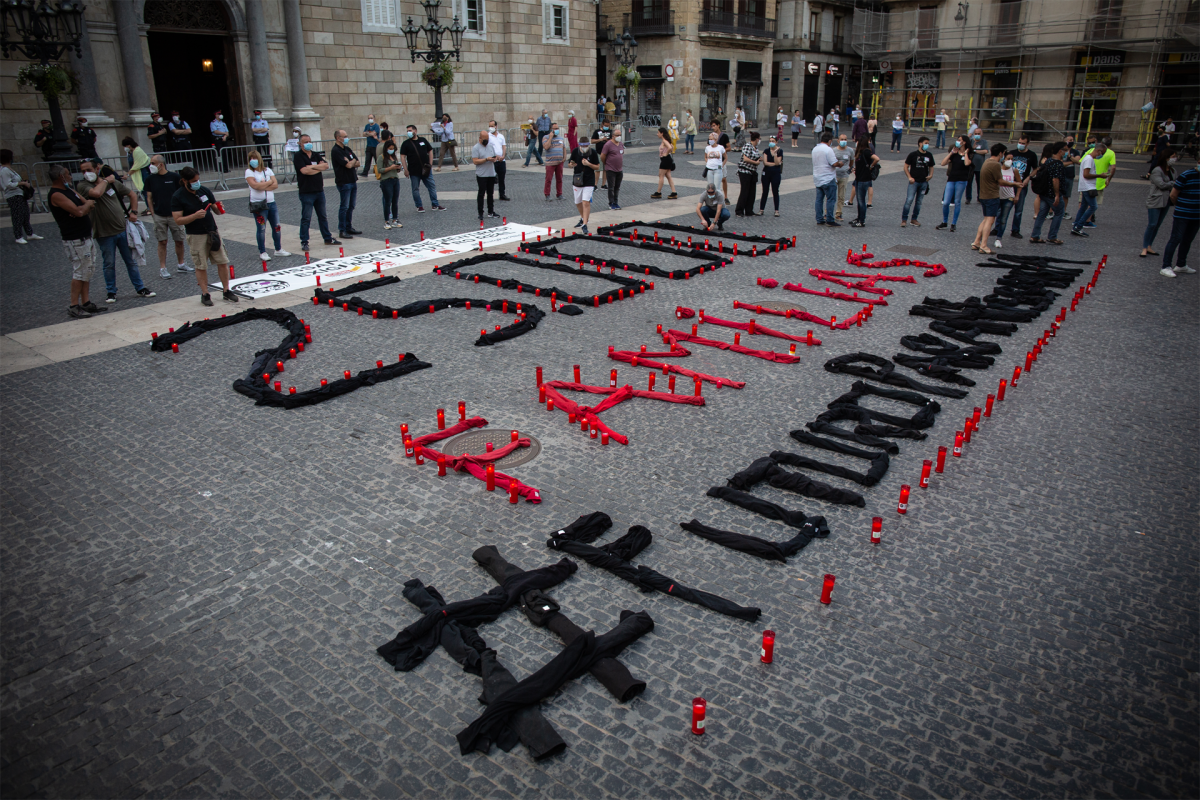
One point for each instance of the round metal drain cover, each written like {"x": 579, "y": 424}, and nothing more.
{"x": 779, "y": 305}
{"x": 475, "y": 443}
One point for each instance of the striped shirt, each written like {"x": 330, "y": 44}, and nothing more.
{"x": 552, "y": 146}
{"x": 1187, "y": 205}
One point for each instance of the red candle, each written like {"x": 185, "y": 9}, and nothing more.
{"x": 737, "y": 338}
{"x": 594, "y": 431}
{"x": 278, "y": 364}
{"x": 968, "y": 426}
{"x": 441, "y": 415}
{"x": 512, "y": 491}
{"x": 1016, "y": 374}
{"x": 792, "y": 350}
{"x": 987, "y": 411}
{"x": 651, "y": 386}
{"x": 408, "y": 447}
{"x": 441, "y": 461}
{"x": 827, "y": 590}
{"x": 695, "y": 328}
{"x": 513, "y": 436}
{"x": 324, "y": 382}
{"x": 278, "y": 386}
{"x": 809, "y": 341}
{"x": 958, "y": 443}
{"x": 571, "y": 417}
{"x": 462, "y": 411}
{"x": 876, "y": 529}
{"x": 902, "y": 506}
{"x": 671, "y": 384}
{"x": 752, "y": 327}
{"x": 583, "y": 423}
{"x": 175, "y": 348}
{"x": 768, "y": 647}
{"x": 577, "y": 373}
{"x": 403, "y": 429}
{"x": 541, "y": 394}
{"x": 604, "y": 437}
{"x": 1000, "y": 391}
{"x": 660, "y": 328}
{"x": 346, "y": 374}
{"x": 266, "y": 377}
{"x": 488, "y": 447}
{"x": 697, "y": 387}
{"x": 539, "y": 376}
{"x": 1028, "y": 363}
{"x": 698, "y": 709}
{"x": 926, "y": 466}
{"x": 491, "y": 477}
{"x": 550, "y": 404}
{"x": 419, "y": 452}
{"x": 612, "y": 378}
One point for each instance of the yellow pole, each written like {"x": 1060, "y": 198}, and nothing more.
{"x": 1091, "y": 111}
{"x": 970, "y": 105}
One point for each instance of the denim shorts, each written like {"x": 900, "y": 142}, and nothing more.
{"x": 991, "y": 208}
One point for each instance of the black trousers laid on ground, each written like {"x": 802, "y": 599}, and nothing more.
{"x": 486, "y": 186}
{"x": 745, "y": 201}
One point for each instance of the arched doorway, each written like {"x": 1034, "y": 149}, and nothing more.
{"x": 194, "y": 63}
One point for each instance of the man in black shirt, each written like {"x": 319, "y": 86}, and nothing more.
{"x": 160, "y": 188}
{"x": 311, "y": 189}
{"x": 44, "y": 139}
{"x": 418, "y": 167}
{"x": 1053, "y": 201}
{"x": 1024, "y": 168}
{"x": 192, "y": 207}
{"x": 1070, "y": 158}
{"x": 71, "y": 212}
{"x": 587, "y": 163}
{"x": 158, "y": 134}
{"x": 345, "y": 177}
{"x": 85, "y": 140}
{"x": 917, "y": 167}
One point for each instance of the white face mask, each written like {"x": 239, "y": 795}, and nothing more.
{"x": 491, "y": 130}
{"x": 617, "y": 139}
{"x": 1172, "y": 161}
{"x": 1008, "y": 164}
{"x": 91, "y": 176}
{"x": 175, "y": 119}
{"x": 220, "y": 116}
{"x": 531, "y": 121}
{"x": 371, "y": 120}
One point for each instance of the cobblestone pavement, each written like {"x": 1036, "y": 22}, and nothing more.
{"x": 193, "y": 587}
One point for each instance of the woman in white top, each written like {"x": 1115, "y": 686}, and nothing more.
{"x": 714, "y": 161}
{"x": 1007, "y": 196}
{"x": 832, "y": 121}
{"x": 261, "y": 180}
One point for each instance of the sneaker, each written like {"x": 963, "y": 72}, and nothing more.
{"x": 263, "y": 257}
{"x": 584, "y": 230}
{"x": 848, "y": 203}
{"x": 502, "y": 197}
{"x": 833, "y": 224}
{"x": 165, "y": 273}
{"x": 493, "y": 216}
{"x": 439, "y": 208}
{"x": 953, "y": 228}
{"x": 420, "y": 209}
{"x": 547, "y": 198}
{"x": 282, "y": 254}
{"x": 229, "y": 297}
{"x": 304, "y": 247}
{"x": 144, "y": 292}
{"x": 777, "y": 213}
{"x": 580, "y": 223}
{"x": 77, "y": 312}
{"x": 1185, "y": 269}
{"x": 1066, "y": 215}
{"x": 33, "y": 236}
{"x": 611, "y": 207}
{"x": 111, "y": 298}
{"x": 1167, "y": 272}
{"x": 92, "y": 308}
{"x": 1089, "y": 224}
{"x": 560, "y": 197}
{"x": 1077, "y": 232}
{"x": 331, "y": 242}
{"x": 820, "y": 222}
{"x": 941, "y": 227}
{"x": 185, "y": 268}
{"x": 387, "y": 224}
{"x": 616, "y": 208}
{"x": 656, "y": 196}
{"x": 205, "y": 300}
{"x": 21, "y": 240}
{"x": 915, "y": 224}
{"x": 346, "y": 234}
{"x": 1016, "y": 235}
{"x": 999, "y": 243}
{"x": 720, "y": 226}
{"x": 673, "y": 195}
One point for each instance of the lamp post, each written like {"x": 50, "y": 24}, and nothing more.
{"x": 624, "y": 50}
{"x": 433, "y": 37}
{"x": 43, "y": 31}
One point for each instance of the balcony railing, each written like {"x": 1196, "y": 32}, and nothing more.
{"x": 838, "y": 43}
{"x": 739, "y": 24}
{"x": 660, "y": 22}
{"x": 814, "y": 42}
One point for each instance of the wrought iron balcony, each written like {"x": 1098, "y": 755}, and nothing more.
{"x": 659, "y": 22}
{"x": 814, "y": 42}
{"x": 712, "y": 21}
{"x": 838, "y": 43}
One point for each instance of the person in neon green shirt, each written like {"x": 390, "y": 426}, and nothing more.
{"x": 1104, "y": 166}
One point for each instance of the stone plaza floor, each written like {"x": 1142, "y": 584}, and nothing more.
{"x": 193, "y": 587}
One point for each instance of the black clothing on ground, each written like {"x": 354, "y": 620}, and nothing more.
{"x": 767, "y": 469}
{"x": 885, "y": 374}
{"x": 796, "y": 519}
{"x": 931, "y": 345}
{"x": 956, "y": 362}
{"x": 870, "y": 440}
{"x": 866, "y": 425}
{"x": 69, "y": 227}
{"x": 772, "y": 551}
{"x": 962, "y": 331}
{"x": 879, "y": 461}
{"x": 870, "y": 478}
{"x": 307, "y": 184}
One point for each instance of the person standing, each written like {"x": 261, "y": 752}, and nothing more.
{"x": 543, "y": 128}
{"x": 1162, "y": 179}
{"x": 939, "y": 120}
{"x": 263, "y": 183}
{"x": 717, "y": 121}
{"x": 1008, "y": 188}
{"x": 872, "y": 129}
{"x": 612, "y": 156}
{"x": 1108, "y": 165}
{"x": 1071, "y": 159}
{"x": 1185, "y": 195}
{"x": 689, "y": 129}
{"x": 897, "y": 133}
{"x": 139, "y": 164}
{"x": 220, "y": 136}
{"x": 160, "y": 188}
{"x": 532, "y": 147}
{"x": 918, "y": 166}
{"x": 979, "y": 154}
{"x": 666, "y": 164}
{"x": 859, "y": 129}
{"x": 310, "y": 188}
{"x": 385, "y": 134}
{"x": 500, "y": 145}
{"x": 737, "y": 121}
{"x": 1049, "y": 188}
{"x": 748, "y": 176}
{"x": 819, "y": 129}
{"x": 572, "y": 130}
{"x": 181, "y": 132}
{"x": 673, "y": 130}
{"x": 44, "y": 139}
{"x": 345, "y": 178}
{"x": 833, "y": 121}
{"x": 991, "y": 181}
{"x": 864, "y": 177}
{"x": 448, "y": 142}
{"x": 781, "y": 119}
{"x": 1169, "y": 128}
{"x": 714, "y": 161}
{"x": 599, "y": 111}
{"x": 14, "y": 194}
{"x": 1025, "y": 166}
{"x": 109, "y": 216}
{"x": 772, "y": 174}
{"x": 554, "y": 147}
{"x": 192, "y": 207}
{"x": 824, "y": 162}
{"x": 587, "y": 164}
{"x": 611, "y": 109}
{"x": 844, "y": 175}
{"x": 484, "y": 157}
{"x": 1087, "y": 188}
{"x": 418, "y": 167}
{"x": 260, "y": 134}
{"x": 959, "y": 172}
{"x": 389, "y": 167}
{"x": 158, "y": 134}
{"x": 711, "y": 207}
{"x": 72, "y": 213}
{"x": 370, "y": 148}
{"x": 797, "y": 124}
{"x": 85, "y": 140}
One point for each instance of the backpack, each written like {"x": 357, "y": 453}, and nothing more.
{"x": 1041, "y": 182}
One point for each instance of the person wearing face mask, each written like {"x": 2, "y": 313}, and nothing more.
{"x": 418, "y": 167}
{"x": 554, "y": 146}
{"x": 1185, "y": 195}
{"x": 897, "y": 133}
{"x": 193, "y": 206}
{"x": 157, "y": 133}
{"x": 918, "y": 166}
{"x": 138, "y": 162}
{"x": 958, "y": 161}
{"x": 689, "y": 132}
{"x": 160, "y": 188}
{"x": 1024, "y": 166}
{"x": 673, "y": 130}
{"x": 109, "y": 216}
{"x": 714, "y": 161}
{"x": 533, "y": 148}
{"x": 500, "y": 145}
{"x": 181, "y": 132}
{"x": 572, "y": 127}
{"x": 864, "y": 164}
{"x": 940, "y": 119}
{"x": 260, "y": 132}
{"x": 371, "y": 131}
{"x": 1158, "y": 202}
{"x": 84, "y": 139}
{"x": 345, "y": 178}
{"x": 747, "y": 176}
{"x": 612, "y": 156}
{"x": 72, "y": 214}
{"x": 14, "y": 194}
{"x": 1010, "y": 184}
{"x": 293, "y": 144}
{"x": 824, "y": 164}
{"x": 772, "y": 174}
{"x": 484, "y": 157}
{"x": 263, "y": 183}
{"x": 44, "y": 139}
{"x": 991, "y": 183}
{"x": 388, "y": 168}
{"x": 711, "y": 207}
{"x": 543, "y": 128}
{"x": 666, "y": 165}
{"x": 220, "y": 136}
{"x": 1048, "y": 186}
{"x": 843, "y": 175}
{"x": 310, "y": 188}
{"x": 1106, "y": 164}
{"x": 979, "y": 154}
{"x": 586, "y": 163}
{"x": 449, "y": 145}
{"x": 781, "y": 119}
{"x": 1087, "y": 188}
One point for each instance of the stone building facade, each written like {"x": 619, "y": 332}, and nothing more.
{"x": 319, "y": 64}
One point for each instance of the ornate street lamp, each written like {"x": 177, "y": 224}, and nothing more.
{"x": 43, "y": 31}
{"x": 434, "y": 34}
{"x": 624, "y": 50}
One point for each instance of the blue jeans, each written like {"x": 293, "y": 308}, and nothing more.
{"x": 941, "y": 139}
{"x": 1156, "y": 218}
{"x": 1006, "y": 206}
{"x": 861, "y": 188}
{"x": 708, "y": 212}
{"x": 1019, "y": 209}
{"x": 416, "y": 182}
{"x": 268, "y": 217}
{"x": 1049, "y": 207}
{"x": 390, "y": 191}
{"x": 534, "y": 151}
{"x": 308, "y": 202}
{"x": 826, "y": 193}
{"x": 689, "y": 142}
{"x": 916, "y": 192}
{"x": 953, "y": 193}
{"x": 896, "y": 137}
{"x": 348, "y": 196}
{"x": 108, "y": 247}
{"x": 1088, "y": 204}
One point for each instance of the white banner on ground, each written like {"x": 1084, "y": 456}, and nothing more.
{"x": 363, "y": 265}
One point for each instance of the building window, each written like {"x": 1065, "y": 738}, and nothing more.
{"x": 380, "y": 16}
{"x": 473, "y": 16}
{"x": 556, "y": 23}
{"x": 927, "y": 32}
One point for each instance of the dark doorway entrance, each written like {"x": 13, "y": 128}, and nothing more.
{"x": 812, "y": 83}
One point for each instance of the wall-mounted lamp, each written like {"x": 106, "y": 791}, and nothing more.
{"x": 206, "y": 65}
{"x": 961, "y": 16}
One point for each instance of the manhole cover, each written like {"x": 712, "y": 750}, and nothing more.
{"x": 475, "y": 443}
{"x": 912, "y": 251}
{"x": 779, "y": 305}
